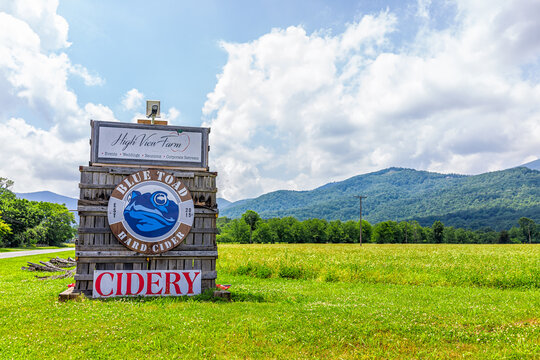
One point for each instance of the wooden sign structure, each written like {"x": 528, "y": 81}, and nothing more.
{"x": 119, "y": 151}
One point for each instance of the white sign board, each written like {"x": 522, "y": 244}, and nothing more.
{"x": 113, "y": 283}
{"x": 142, "y": 144}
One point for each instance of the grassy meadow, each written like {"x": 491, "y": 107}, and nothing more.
{"x": 295, "y": 302}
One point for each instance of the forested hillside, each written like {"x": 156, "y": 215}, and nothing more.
{"x": 496, "y": 200}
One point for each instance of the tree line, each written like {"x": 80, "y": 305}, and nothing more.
{"x": 251, "y": 228}
{"x": 25, "y": 223}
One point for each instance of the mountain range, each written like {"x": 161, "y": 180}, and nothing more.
{"x": 496, "y": 199}
{"x": 493, "y": 200}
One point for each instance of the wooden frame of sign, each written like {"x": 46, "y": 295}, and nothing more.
{"x": 97, "y": 248}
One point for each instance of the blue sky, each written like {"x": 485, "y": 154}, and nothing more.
{"x": 297, "y": 93}
{"x": 170, "y": 50}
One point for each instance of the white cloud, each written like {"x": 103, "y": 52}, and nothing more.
{"x": 40, "y": 160}
{"x": 296, "y": 110}
{"x": 172, "y": 114}
{"x": 41, "y": 17}
{"x": 33, "y": 75}
{"x": 89, "y": 79}
{"x": 132, "y": 100}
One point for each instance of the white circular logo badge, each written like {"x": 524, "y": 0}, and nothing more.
{"x": 150, "y": 212}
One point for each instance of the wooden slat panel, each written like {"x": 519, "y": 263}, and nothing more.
{"x": 206, "y": 265}
{"x": 161, "y": 264}
{"x": 180, "y": 264}
{"x": 96, "y": 246}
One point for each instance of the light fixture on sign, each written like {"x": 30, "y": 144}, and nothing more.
{"x": 152, "y": 109}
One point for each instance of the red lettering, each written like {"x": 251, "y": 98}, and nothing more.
{"x": 98, "y": 283}
{"x": 119, "y": 284}
{"x": 129, "y": 283}
{"x": 168, "y": 283}
{"x": 149, "y": 283}
{"x": 190, "y": 281}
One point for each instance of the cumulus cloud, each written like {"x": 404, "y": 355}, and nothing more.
{"x": 296, "y": 110}
{"x": 132, "y": 100}
{"x": 38, "y": 159}
{"x": 34, "y": 72}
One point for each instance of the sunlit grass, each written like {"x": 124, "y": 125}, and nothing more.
{"x": 279, "y": 316}
{"x": 500, "y": 266}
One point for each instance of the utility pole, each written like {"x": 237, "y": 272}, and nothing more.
{"x": 360, "y": 197}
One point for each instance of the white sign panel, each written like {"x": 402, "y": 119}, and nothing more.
{"x": 140, "y": 144}
{"x": 113, "y": 283}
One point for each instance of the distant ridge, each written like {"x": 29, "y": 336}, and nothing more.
{"x": 495, "y": 200}
{"x": 534, "y": 165}
{"x": 223, "y": 203}
{"x": 51, "y": 197}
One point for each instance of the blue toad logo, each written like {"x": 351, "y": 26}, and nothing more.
{"x": 150, "y": 214}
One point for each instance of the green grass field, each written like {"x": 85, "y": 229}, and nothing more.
{"x": 298, "y": 301}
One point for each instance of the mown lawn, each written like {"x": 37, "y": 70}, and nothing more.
{"x": 298, "y": 301}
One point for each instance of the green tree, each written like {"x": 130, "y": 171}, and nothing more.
{"x": 367, "y": 230}
{"x": 504, "y": 237}
{"x": 5, "y": 230}
{"x": 236, "y": 231}
{"x": 351, "y": 229}
{"x": 334, "y": 232}
{"x": 251, "y": 218}
{"x": 315, "y": 230}
{"x": 264, "y": 234}
{"x": 528, "y": 228}
{"x": 449, "y": 235}
{"x": 57, "y": 221}
{"x": 385, "y": 232}
{"x": 438, "y": 229}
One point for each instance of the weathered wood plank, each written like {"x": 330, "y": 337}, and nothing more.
{"x": 192, "y": 254}
{"x": 103, "y": 210}
{"x": 131, "y": 169}
{"x": 122, "y": 248}
{"x": 98, "y": 260}
{"x": 106, "y": 230}
{"x": 112, "y": 186}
